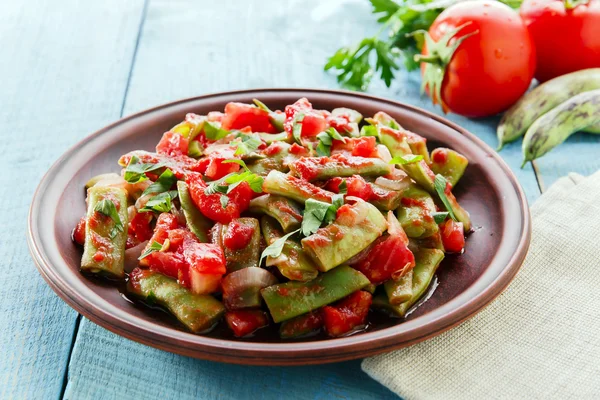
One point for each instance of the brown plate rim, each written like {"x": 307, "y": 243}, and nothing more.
{"x": 250, "y": 353}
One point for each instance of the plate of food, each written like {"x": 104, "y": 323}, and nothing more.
{"x": 279, "y": 226}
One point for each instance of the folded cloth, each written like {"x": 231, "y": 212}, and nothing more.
{"x": 540, "y": 339}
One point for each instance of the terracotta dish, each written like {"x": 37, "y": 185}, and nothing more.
{"x": 465, "y": 284}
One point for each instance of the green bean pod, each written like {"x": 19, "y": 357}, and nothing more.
{"x": 557, "y": 125}
{"x": 545, "y": 97}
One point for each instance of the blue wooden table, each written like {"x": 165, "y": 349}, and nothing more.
{"x": 69, "y": 68}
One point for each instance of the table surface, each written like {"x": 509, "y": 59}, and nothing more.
{"x": 70, "y": 68}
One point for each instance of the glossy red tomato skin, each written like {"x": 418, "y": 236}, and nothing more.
{"x": 244, "y": 322}
{"x": 389, "y": 255}
{"x": 491, "y": 70}
{"x": 314, "y": 121}
{"x": 78, "y": 234}
{"x": 239, "y": 116}
{"x": 453, "y": 236}
{"x": 213, "y": 166}
{"x": 238, "y": 235}
{"x": 210, "y": 204}
{"x": 566, "y": 40}
{"x": 347, "y": 314}
{"x": 172, "y": 144}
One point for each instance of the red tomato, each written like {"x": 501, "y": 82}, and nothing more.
{"x": 453, "y": 236}
{"x": 244, "y": 322}
{"x": 314, "y": 121}
{"x": 170, "y": 264}
{"x": 238, "y": 235}
{"x": 139, "y": 226}
{"x": 347, "y": 314}
{"x": 214, "y": 167}
{"x": 239, "y": 115}
{"x": 204, "y": 257}
{"x": 365, "y": 147}
{"x": 489, "y": 70}
{"x": 172, "y": 144}
{"x": 302, "y": 325}
{"x": 566, "y": 38}
{"x": 78, "y": 234}
{"x": 210, "y": 204}
{"x": 389, "y": 257}
{"x": 358, "y": 187}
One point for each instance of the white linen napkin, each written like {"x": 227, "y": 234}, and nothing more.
{"x": 540, "y": 339}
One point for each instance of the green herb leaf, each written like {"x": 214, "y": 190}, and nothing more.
{"x": 255, "y": 181}
{"x": 369, "y": 130}
{"x": 236, "y": 161}
{"x": 343, "y": 187}
{"x": 194, "y": 149}
{"x": 224, "y": 201}
{"x": 323, "y": 150}
{"x": 334, "y": 134}
{"x": 274, "y": 250}
{"x": 440, "y": 216}
{"x": 163, "y": 184}
{"x": 155, "y": 246}
{"x": 385, "y": 7}
{"x": 107, "y": 207}
{"x": 215, "y": 187}
{"x": 318, "y": 212}
{"x": 160, "y": 203}
{"x": 261, "y": 105}
{"x": 407, "y": 159}
{"x": 249, "y": 144}
{"x": 440, "y": 183}
{"x": 297, "y": 127}
{"x": 213, "y": 131}
{"x": 136, "y": 172}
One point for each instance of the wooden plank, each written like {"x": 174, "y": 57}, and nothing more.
{"x": 63, "y": 71}
{"x": 190, "y": 48}
{"x": 107, "y": 366}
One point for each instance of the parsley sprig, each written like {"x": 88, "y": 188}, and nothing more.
{"x": 316, "y": 213}
{"x": 107, "y": 207}
{"x": 226, "y": 184}
{"x": 135, "y": 171}
{"x": 326, "y": 140}
{"x": 355, "y": 66}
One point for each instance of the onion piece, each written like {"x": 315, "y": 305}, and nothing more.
{"x": 393, "y": 184}
{"x": 384, "y": 153}
{"x": 241, "y": 289}
{"x": 132, "y": 254}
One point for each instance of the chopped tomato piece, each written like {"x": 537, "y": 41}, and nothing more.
{"x": 210, "y": 204}
{"x": 172, "y": 144}
{"x": 313, "y": 123}
{"x": 239, "y": 115}
{"x": 365, "y": 147}
{"x": 453, "y": 236}
{"x": 204, "y": 257}
{"x": 347, "y": 314}
{"x": 355, "y": 185}
{"x": 79, "y": 232}
{"x": 341, "y": 123}
{"x": 139, "y": 227}
{"x": 168, "y": 263}
{"x": 244, "y": 322}
{"x": 389, "y": 257}
{"x": 358, "y": 187}
{"x": 298, "y": 150}
{"x": 213, "y": 166}
{"x": 238, "y": 235}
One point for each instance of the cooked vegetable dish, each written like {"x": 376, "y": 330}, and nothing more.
{"x": 301, "y": 220}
